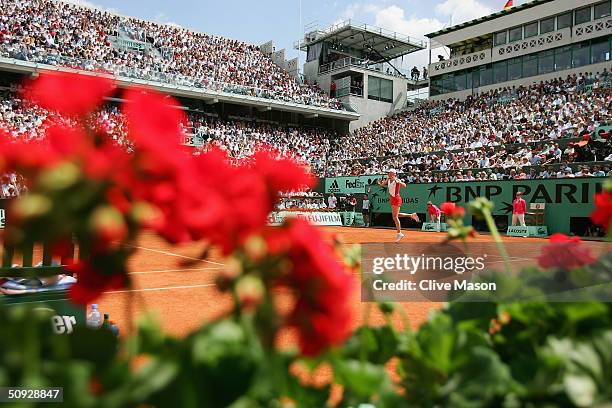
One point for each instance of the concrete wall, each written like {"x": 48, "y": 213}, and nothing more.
{"x": 371, "y": 110}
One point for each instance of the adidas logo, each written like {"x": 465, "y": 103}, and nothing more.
{"x": 334, "y": 188}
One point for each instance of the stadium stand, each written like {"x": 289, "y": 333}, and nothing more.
{"x": 503, "y": 131}
{"x": 58, "y": 33}
{"x": 239, "y": 138}
{"x": 544, "y": 131}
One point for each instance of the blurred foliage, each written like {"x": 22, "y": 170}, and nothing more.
{"x": 468, "y": 354}
{"x": 527, "y": 347}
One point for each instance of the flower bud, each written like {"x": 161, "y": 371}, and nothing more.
{"x": 479, "y": 206}
{"x": 232, "y": 269}
{"x": 250, "y": 291}
{"x": 505, "y": 317}
{"x": 60, "y": 177}
{"x": 146, "y": 214}
{"x": 31, "y": 206}
{"x": 386, "y": 308}
{"x": 255, "y": 248}
{"x": 108, "y": 224}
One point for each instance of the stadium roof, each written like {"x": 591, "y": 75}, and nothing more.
{"x": 361, "y": 36}
{"x": 487, "y": 18}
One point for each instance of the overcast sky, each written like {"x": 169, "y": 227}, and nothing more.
{"x": 279, "y": 20}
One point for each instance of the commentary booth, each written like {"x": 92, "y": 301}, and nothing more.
{"x": 553, "y": 205}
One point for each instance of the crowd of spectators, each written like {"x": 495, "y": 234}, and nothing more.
{"x": 301, "y": 204}
{"x": 12, "y": 185}
{"x": 544, "y": 131}
{"x": 505, "y": 130}
{"x": 303, "y": 199}
{"x": 239, "y": 138}
{"x": 25, "y": 121}
{"x": 60, "y": 33}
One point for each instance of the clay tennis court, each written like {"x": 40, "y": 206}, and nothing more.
{"x": 178, "y": 288}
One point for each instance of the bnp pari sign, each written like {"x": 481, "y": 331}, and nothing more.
{"x": 564, "y": 198}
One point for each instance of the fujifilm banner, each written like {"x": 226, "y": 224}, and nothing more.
{"x": 313, "y": 217}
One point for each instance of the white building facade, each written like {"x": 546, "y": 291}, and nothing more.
{"x": 534, "y": 42}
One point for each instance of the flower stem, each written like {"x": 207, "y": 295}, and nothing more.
{"x": 496, "y": 237}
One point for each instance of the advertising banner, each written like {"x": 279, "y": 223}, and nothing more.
{"x": 2, "y": 217}
{"x": 527, "y": 231}
{"x": 349, "y": 185}
{"x": 136, "y": 45}
{"x": 564, "y": 199}
{"x": 313, "y": 217}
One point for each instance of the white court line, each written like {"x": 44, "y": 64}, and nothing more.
{"x": 173, "y": 254}
{"x": 174, "y": 270}
{"x": 165, "y": 288}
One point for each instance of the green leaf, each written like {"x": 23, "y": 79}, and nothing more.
{"x": 362, "y": 378}
{"x": 484, "y": 378}
{"x": 374, "y": 344}
{"x": 581, "y": 389}
{"x": 97, "y": 346}
{"x": 576, "y": 312}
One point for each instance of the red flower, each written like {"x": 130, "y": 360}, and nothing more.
{"x": 63, "y": 248}
{"x": 24, "y": 156}
{"x": 91, "y": 282}
{"x": 281, "y": 174}
{"x": 565, "y": 252}
{"x": 322, "y": 314}
{"x": 95, "y": 386}
{"x": 67, "y": 141}
{"x": 117, "y": 198}
{"x": 452, "y": 210}
{"x": 154, "y": 121}
{"x": 602, "y": 215}
{"x": 69, "y": 94}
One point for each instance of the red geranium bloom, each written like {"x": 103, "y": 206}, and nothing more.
{"x": 323, "y": 287}
{"x": 91, "y": 282}
{"x": 281, "y": 174}
{"x": 24, "y": 156}
{"x": 602, "y": 215}
{"x": 69, "y": 94}
{"x": 565, "y": 252}
{"x": 154, "y": 121}
{"x": 452, "y": 210}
